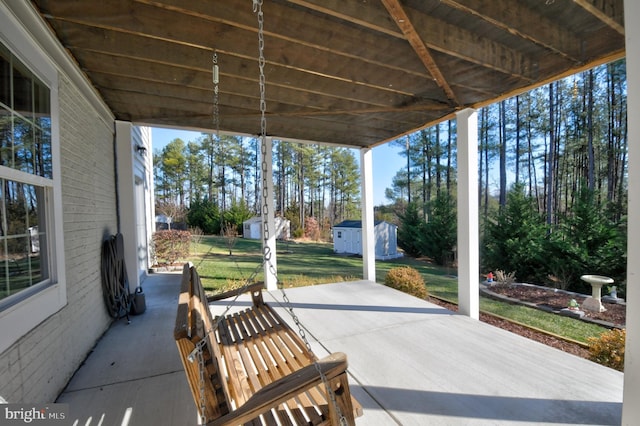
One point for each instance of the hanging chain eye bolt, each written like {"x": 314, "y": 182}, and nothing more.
{"x": 216, "y": 75}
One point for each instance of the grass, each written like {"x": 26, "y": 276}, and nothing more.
{"x": 556, "y": 324}
{"x": 308, "y": 263}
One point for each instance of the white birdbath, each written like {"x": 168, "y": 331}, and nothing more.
{"x": 594, "y": 303}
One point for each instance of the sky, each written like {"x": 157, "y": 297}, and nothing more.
{"x": 386, "y": 159}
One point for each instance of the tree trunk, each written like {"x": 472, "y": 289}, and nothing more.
{"x": 590, "y": 151}
{"x": 449, "y": 149}
{"x": 517, "y": 159}
{"x": 437, "y": 162}
{"x": 503, "y": 153}
{"x": 551, "y": 157}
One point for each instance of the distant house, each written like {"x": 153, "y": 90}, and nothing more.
{"x": 252, "y": 228}
{"x": 347, "y": 238}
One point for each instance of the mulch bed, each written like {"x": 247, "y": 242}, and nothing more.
{"x": 555, "y": 300}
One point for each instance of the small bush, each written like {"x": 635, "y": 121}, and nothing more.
{"x": 170, "y": 246}
{"x": 608, "y": 349}
{"x": 408, "y": 280}
{"x": 312, "y": 229}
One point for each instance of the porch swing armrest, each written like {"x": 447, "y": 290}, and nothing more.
{"x": 289, "y": 387}
{"x": 253, "y": 289}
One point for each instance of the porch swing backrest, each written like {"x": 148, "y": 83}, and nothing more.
{"x": 254, "y": 368}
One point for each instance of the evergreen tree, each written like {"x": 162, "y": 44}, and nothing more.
{"x": 411, "y": 225}
{"x": 514, "y": 238}
{"x": 174, "y": 165}
{"x": 587, "y": 242}
{"x": 236, "y": 214}
{"x": 205, "y": 215}
{"x": 439, "y": 235}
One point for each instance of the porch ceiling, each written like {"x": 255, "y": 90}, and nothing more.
{"x": 350, "y": 72}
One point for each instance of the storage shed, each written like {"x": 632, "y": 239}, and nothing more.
{"x": 252, "y": 228}
{"x": 347, "y": 238}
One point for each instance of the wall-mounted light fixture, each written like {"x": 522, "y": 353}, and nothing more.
{"x": 141, "y": 149}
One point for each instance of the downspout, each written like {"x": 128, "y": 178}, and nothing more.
{"x": 115, "y": 176}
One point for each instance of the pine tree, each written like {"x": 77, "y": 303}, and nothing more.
{"x": 439, "y": 234}
{"x": 411, "y": 225}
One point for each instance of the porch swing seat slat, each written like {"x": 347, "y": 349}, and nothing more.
{"x": 254, "y": 369}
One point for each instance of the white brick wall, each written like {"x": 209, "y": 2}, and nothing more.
{"x": 38, "y": 366}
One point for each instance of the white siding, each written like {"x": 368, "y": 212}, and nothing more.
{"x": 350, "y": 240}
{"x": 37, "y": 366}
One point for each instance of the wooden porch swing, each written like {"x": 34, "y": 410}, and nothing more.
{"x": 250, "y": 367}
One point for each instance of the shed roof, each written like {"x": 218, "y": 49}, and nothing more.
{"x": 357, "y": 224}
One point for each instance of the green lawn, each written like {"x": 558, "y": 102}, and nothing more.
{"x": 301, "y": 264}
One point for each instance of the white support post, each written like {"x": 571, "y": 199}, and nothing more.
{"x": 127, "y": 200}
{"x": 631, "y": 395}
{"x": 268, "y": 217}
{"x": 468, "y": 228}
{"x": 368, "y": 234}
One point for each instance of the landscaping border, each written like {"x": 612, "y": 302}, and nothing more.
{"x": 485, "y": 289}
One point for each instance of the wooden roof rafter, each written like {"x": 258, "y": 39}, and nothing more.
{"x": 606, "y": 11}
{"x": 404, "y": 23}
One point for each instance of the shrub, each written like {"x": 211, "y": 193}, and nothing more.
{"x": 206, "y": 216}
{"x": 505, "y": 278}
{"x": 312, "y": 229}
{"x": 608, "y": 349}
{"x": 408, "y": 280}
{"x": 171, "y": 246}
{"x": 196, "y": 238}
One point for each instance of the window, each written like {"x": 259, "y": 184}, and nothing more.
{"x": 25, "y": 179}
{"x": 339, "y": 234}
{"x": 32, "y": 253}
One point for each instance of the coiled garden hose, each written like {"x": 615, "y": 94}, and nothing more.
{"x": 115, "y": 284}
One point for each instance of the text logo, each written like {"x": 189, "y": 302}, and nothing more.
{"x": 34, "y": 414}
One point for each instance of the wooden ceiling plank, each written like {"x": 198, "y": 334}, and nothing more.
{"x": 337, "y": 72}
{"x": 400, "y": 17}
{"x": 365, "y": 45}
{"x": 515, "y": 18}
{"x": 351, "y": 111}
{"x": 355, "y": 12}
{"x": 235, "y": 75}
{"x": 278, "y": 52}
{"x": 471, "y": 47}
{"x": 608, "y": 11}
{"x": 458, "y": 42}
{"x": 371, "y": 48}
{"x": 158, "y": 111}
{"x": 125, "y": 74}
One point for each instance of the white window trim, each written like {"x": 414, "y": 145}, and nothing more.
{"x": 20, "y": 318}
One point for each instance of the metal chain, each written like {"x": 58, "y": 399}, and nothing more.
{"x": 266, "y": 249}
{"x": 203, "y": 402}
{"x": 198, "y": 350}
{"x": 257, "y": 8}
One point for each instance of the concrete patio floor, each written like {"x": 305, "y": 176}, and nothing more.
{"x": 411, "y": 363}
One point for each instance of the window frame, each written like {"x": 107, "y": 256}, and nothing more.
{"x": 41, "y": 301}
